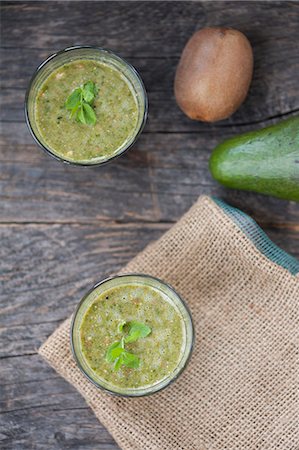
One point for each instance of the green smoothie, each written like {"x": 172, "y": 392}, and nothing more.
{"x": 110, "y": 320}
{"x": 114, "y": 105}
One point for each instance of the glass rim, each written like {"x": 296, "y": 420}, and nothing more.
{"x": 171, "y": 379}
{"x": 50, "y": 152}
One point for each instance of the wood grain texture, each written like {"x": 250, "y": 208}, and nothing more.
{"x": 63, "y": 228}
{"x": 157, "y": 181}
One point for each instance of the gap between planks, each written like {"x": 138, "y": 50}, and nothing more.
{"x": 216, "y": 126}
{"x": 131, "y": 225}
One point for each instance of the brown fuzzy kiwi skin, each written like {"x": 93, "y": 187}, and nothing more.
{"x": 214, "y": 74}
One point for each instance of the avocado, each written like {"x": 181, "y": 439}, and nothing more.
{"x": 264, "y": 161}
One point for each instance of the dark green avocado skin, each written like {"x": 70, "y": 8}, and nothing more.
{"x": 264, "y": 161}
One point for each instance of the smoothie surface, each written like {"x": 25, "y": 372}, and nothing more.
{"x": 159, "y": 353}
{"x": 115, "y": 106}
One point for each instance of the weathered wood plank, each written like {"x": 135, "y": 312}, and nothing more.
{"x": 117, "y": 25}
{"x": 47, "y": 268}
{"x": 158, "y": 180}
{"x": 288, "y": 240}
{"x": 157, "y": 72}
{"x": 49, "y": 391}
{"x": 106, "y": 24}
{"x": 273, "y": 91}
{"x": 26, "y": 338}
{"x": 166, "y": 117}
{"x": 53, "y": 427}
{"x": 31, "y": 389}
{"x": 46, "y": 428}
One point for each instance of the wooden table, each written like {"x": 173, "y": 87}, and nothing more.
{"x": 64, "y": 228}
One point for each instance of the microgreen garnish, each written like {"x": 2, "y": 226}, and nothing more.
{"x": 121, "y": 326}
{"x": 137, "y": 330}
{"x": 80, "y": 102}
{"x": 114, "y": 351}
{"x": 117, "y": 353}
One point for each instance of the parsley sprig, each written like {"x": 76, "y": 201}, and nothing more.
{"x": 80, "y": 102}
{"x": 117, "y": 353}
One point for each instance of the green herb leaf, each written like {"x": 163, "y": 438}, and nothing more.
{"x": 117, "y": 353}
{"x": 74, "y": 110}
{"x": 81, "y": 115}
{"x": 74, "y": 100}
{"x": 89, "y": 91}
{"x": 130, "y": 360}
{"x": 121, "y": 326}
{"x": 80, "y": 101}
{"x": 127, "y": 359}
{"x": 90, "y": 117}
{"x": 137, "y": 330}
{"x": 118, "y": 363}
{"x": 114, "y": 351}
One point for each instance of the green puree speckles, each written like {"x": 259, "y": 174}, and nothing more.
{"x": 115, "y": 107}
{"x": 160, "y": 352}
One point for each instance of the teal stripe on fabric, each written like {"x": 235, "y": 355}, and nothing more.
{"x": 259, "y": 238}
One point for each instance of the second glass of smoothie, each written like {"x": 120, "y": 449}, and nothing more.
{"x": 132, "y": 335}
{"x": 118, "y": 105}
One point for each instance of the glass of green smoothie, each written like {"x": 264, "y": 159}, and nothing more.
{"x": 85, "y": 105}
{"x": 132, "y": 335}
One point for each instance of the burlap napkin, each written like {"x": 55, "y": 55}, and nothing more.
{"x": 240, "y": 390}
